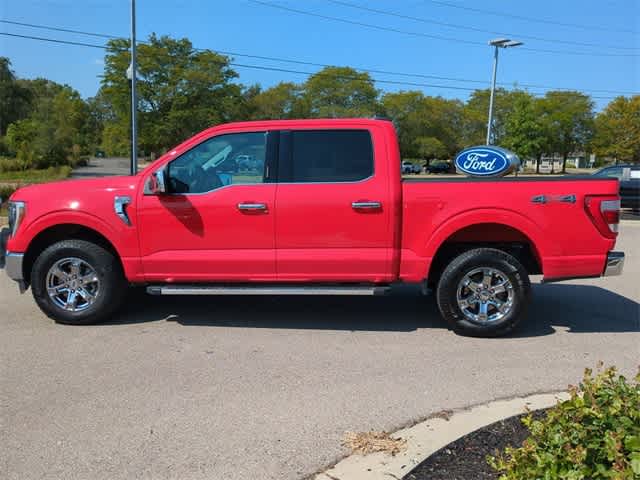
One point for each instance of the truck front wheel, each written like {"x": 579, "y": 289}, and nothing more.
{"x": 77, "y": 282}
{"x": 483, "y": 292}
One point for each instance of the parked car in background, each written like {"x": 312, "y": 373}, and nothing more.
{"x": 328, "y": 214}
{"x": 629, "y": 178}
{"x": 408, "y": 167}
{"x": 439, "y": 167}
{"x": 247, "y": 163}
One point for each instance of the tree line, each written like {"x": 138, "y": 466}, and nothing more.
{"x": 183, "y": 90}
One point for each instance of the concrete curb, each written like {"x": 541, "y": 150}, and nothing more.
{"x": 425, "y": 438}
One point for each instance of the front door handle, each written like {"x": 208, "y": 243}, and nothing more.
{"x": 366, "y": 205}
{"x": 252, "y": 207}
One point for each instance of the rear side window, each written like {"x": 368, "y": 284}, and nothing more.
{"x": 330, "y": 156}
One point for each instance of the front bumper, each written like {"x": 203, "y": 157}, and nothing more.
{"x": 4, "y": 237}
{"x": 11, "y": 262}
{"x": 614, "y": 265}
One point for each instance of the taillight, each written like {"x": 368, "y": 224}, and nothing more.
{"x": 605, "y": 213}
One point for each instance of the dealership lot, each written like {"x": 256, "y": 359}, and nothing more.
{"x": 261, "y": 387}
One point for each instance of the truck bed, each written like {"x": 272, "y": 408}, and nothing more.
{"x": 547, "y": 214}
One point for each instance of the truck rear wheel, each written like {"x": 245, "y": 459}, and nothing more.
{"x": 483, "y": 292}
{"x": 77, "y": 282}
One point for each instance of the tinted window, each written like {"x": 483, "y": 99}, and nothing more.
{"x": 615, "y": 172}
{"x": 331, "y": 155}
{"x": 219, "y": 161}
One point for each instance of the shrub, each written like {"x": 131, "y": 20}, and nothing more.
{"x": 6, "y": 191}
{"x": 593, "y": 435}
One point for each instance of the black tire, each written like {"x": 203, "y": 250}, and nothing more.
{"x": 464, "y": 264}
{"x": 109, "y": 296}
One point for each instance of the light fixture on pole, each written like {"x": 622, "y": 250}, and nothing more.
{"x": 496, "y": 43}
{"x": 131, "y": 75}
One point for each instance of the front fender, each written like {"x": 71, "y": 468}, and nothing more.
{"x": 123, "y": 238}
{"x": 28, "y": 232}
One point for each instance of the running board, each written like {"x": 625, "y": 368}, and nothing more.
{"x": 266, "y": 290}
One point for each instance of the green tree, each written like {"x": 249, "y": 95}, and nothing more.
{"x": 418, "y": 116}
{"x": 278, "y": 102}
{"x": 476, "y": 113}
{"x": 336, "y": 92}
{"x": 57, "y": 121}
{"x": 406, "y": 110}
{"x": 15, "y": 99}
{"x": 618, "y": 130}
{"x": 527, "y": 130}
{"x": 181, "y": 91}
{"x": 430, "y": 148}
{"x": 570, "y": 120}
{"x": 21, "y": 136}
{"x": 99, "y": 113}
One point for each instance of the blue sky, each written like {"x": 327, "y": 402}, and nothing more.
{"x": 613, "y": 28}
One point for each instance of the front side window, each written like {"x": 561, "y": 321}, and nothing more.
{"x": 223, "y": 160}
{"x": 331, "y": 155}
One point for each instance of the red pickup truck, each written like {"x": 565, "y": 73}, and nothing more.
{"x": 306, "y": 207}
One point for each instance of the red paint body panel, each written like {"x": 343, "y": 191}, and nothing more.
{"x": 205, "y": 238}
{"x": 320, "y": 237}
{"x": 310, "y": 232}
{"x": 561, "y": 233}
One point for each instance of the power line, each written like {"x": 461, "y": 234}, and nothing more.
{"x": 467, "y": 27}
{"x": 260, "y": 67}
{"x": 531, "y": 19}
{"x": 58, "y": 29}
{"x": 275, "y": 69}
{"x": 53, "y": 40}
{"x": 321, "y": 65}
{"x": 436, "y": 37}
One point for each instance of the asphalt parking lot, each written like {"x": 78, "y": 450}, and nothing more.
{"x": 264, "y": 388}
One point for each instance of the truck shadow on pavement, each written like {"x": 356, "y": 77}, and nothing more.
{"x": 577, "y": 308}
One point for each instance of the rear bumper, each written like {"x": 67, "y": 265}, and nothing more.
{"x": 614, "y": 264}
{"x": 573, "y": 269}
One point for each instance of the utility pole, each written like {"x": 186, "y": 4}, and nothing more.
{"x": 497, "y": 43}
{"x": 134, "y": 99}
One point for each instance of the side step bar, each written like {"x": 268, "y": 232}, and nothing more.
{"x": 266, "y": 290}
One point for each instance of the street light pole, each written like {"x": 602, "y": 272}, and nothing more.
{"x": 134, "y": 100}
{"x": 497, "y": 43}
{"x": 493, "y": 89}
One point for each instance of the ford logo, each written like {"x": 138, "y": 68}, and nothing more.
{"x": 486, "y": 161}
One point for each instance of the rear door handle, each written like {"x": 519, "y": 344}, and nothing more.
{"x": 252, "y": 207}
{"x": 366, "y": 205}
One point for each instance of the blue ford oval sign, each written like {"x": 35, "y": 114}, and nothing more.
{"x": 486, "y": 161}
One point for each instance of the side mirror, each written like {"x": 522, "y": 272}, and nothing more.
{"x": 156, "y": 184}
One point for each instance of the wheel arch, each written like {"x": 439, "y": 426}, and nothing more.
{"x": 504, "y": 230}
{"x": 64, "y": 231}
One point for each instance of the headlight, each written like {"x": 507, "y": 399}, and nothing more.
{"x": 16, "y": 214}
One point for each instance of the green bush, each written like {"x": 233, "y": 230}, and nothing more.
{"x": 593, "y": 435}
{"x": 6, "y": 191}
{"x": 24, "y": 177}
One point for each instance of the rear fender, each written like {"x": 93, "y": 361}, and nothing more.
{"x": 541, "y": 245}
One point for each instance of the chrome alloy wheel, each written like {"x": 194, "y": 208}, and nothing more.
{"x": 485, "y": 295}
{"x": 72, "y": 284}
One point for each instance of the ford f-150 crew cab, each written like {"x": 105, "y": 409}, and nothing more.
{"x": 321, "y": 208}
